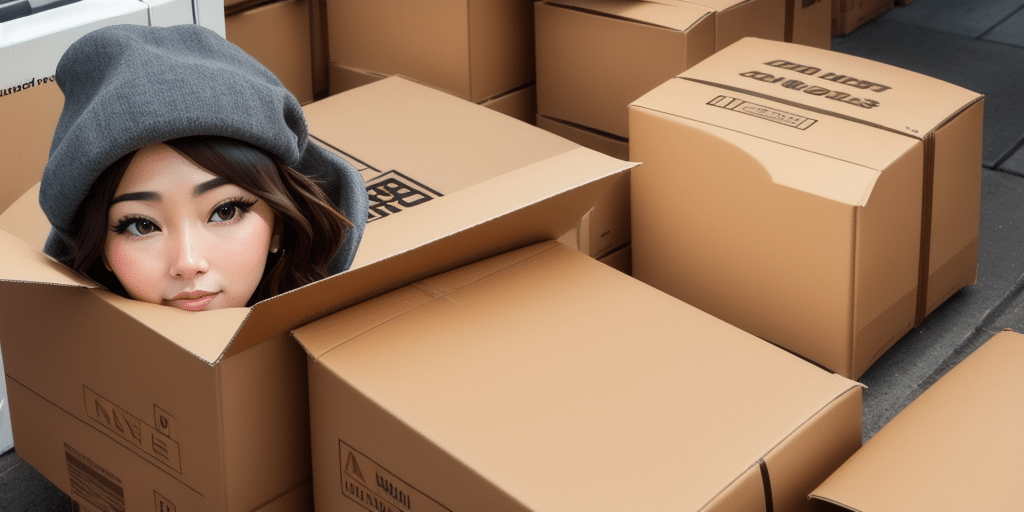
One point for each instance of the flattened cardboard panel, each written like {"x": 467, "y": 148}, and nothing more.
{"x": 956, "y": 447}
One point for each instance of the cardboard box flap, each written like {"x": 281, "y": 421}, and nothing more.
{"x": 513, "y": 210}
{"x": 843, "y": 85}
{"x": 554, "y": 378}
{"x": 958, "y": 446}
{"x": 679, "y": 16}
{"x": 808, "y": 160}
{"x": 20, "y": 262}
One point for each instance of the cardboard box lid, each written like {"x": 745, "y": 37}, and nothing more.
{"x": 842, "y": 85}
{"x": 668, "y": 14}
{"x": 532, "y": 346}
{"x": 537, "y": 201}
{"x": 958, "y": 446}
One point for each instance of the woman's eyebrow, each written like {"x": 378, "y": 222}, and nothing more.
{"x": 207, "y": 186}
{"x": 136, "y": 196}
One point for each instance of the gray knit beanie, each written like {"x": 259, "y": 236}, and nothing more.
{"x": 128, "y": 86}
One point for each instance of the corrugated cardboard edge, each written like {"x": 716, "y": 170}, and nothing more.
{"x": 569, "y": 5}
{"x": 409, "y": 265}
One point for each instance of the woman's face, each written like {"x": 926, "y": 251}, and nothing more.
{"x": 182, "y": 237}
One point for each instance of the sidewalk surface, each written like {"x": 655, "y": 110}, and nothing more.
{"x": 976, "y": 44}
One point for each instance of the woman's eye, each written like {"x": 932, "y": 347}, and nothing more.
{"x": 136, "y": 227}
{"x": 230, "y": 210}
{"x": 224, "y": 213}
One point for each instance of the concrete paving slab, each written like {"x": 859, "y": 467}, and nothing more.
{"x": 1009, "y": 31}
{"x": 970, "y": 18}
{"x": 993, "y": 69}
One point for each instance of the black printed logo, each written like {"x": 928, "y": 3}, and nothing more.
{"x": 393, "y": 192}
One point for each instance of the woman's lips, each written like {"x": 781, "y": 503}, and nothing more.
{"x": 192, "y": 301}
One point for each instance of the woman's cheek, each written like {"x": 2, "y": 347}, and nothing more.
{"x": 137, "y": 268}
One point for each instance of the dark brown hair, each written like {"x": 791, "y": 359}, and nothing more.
{"x": 313, "y": 228}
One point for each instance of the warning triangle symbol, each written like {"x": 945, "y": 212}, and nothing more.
{"x": 352, "y": 467}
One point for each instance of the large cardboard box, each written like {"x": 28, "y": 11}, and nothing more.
{"x": 542, "y": 379}
{"x": 596, "y": 56}
{"x": 956, "y": 447}
{"x": 824, "y": 202}
{"x": 278, "y": 35}
{"x": 208, "y": 411}
{"x": 847, "y": 15}
{"x": 474, "y": 49}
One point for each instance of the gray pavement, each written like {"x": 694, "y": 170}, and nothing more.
{"x": 977, "y": 44}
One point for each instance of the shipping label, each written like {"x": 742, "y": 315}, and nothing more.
{"x": 767, "y": 113}
{"x": 93, "y": 489}
{"x": 372, "y": 487}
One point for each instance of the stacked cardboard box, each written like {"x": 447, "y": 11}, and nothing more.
{"x": 278, "y": 35}
{"x": 134, "y": 404}
{"x": 478, "y": 50}
{"x": 956, "y": 447}
{"x": 823, "y": 202}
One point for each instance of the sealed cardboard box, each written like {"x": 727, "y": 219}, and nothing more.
{"x": 847, "y": 15}
{"x": 821, "y": 201}
{"x": 474, "y": 49}
{"x": 542, "y": 379}
{"x": 956, "y": 447}
{"x": 133, "y": 403}
{"x": 596, "y": 56}
{"x": 278, "y": 35}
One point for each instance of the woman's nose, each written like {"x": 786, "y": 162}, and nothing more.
{"x": 188, "y": 260}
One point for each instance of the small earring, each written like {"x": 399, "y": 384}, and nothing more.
{"x": 275, "y": 244}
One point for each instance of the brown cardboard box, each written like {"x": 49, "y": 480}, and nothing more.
{"x": 956, "y": 447}
{"x": 519, "y": 103}
{"x": 28, "y": 117}
{"x": 208, "y": 411}
{"x": 542, "y": 379}
{"x": 474, "y": 49}
{"x": 278, "y": 35}
{"x": 821, "y": 201}
{"x": 736, "y": 19}
{"x": 596, "y": 56}
{"x": 847, "y": 15}
{"x": 809, "y": 22}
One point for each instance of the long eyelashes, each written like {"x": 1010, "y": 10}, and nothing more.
{"x": 135, "y": 226}
{"x": 229, "y": 210}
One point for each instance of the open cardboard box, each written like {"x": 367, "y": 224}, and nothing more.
{"x": 134, "y": 403}
{"x": 956, "y": 447}
{"x": 542, "y": 379}
{"x": 821, "y": 201}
